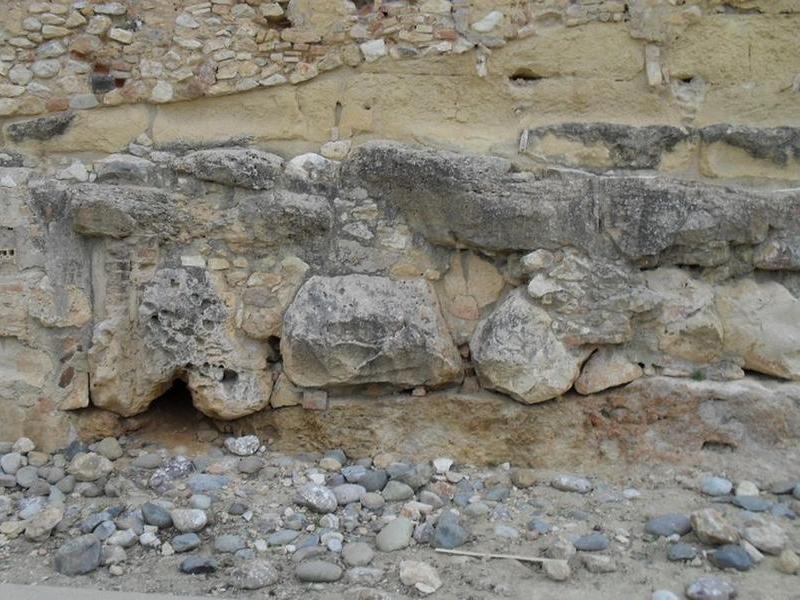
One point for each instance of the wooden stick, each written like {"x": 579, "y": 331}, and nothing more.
{"x": 533, "y": 559}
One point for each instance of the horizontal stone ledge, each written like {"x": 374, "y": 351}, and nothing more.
{"x": 774, "y": 152}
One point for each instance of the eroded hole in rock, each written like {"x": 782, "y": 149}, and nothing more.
{"x": 525, "y": 76}
{"x": 172, "y": 420}
{"x": 718, "y": 446}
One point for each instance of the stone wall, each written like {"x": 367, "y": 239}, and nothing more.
{"x": 531, "y": 198}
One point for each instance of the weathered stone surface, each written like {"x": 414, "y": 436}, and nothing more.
{"x": 78, "y": 556}
{"x": 89, "y": 466}
{"x": 687, "y": 325}
{"x": 182, "y": 328}
{"x": 606, "y": 368}
{"x": 590, "y": 301}
{"x": 470, "y": 285}
{"x": 761, "y": 322}
{"x": 40, "y": 129}
{"x": 517, "y": 352}
{"x": 711, "y": 527}
{"x": 119, "y": 211}
{"x": 621, "y": 146}
{"x": 455, "y": 199}
{"x": 239, "y": 167}
{"x": 360, "y": 329}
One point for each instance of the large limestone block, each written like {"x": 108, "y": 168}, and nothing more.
{"x": 267, "y": 296}
{"x": 357, "y": 329}
{"x": 469, "y": 286}
{"x": 761, "y": 321}
{"x": 591, "y": 301}
{"x": 606, "y": 368}
{"x": 22, "y": 365}
{"x": 687, "y": 325}
{"x": 517, "y": 352}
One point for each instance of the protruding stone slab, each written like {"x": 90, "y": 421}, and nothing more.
{"x": 241, "y": 167}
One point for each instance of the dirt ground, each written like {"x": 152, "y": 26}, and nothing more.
{"x": 642, "y": 566}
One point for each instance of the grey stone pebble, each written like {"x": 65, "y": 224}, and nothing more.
{"x": 243, "y": 446}
{"x": 197, "y": 565}
{"x": 200, "y": 501}
{"x": 23, "y": 445}
{"x": 395, "y": 535}
{"x": 124, "y": 538}
{"x": 448, "y": 532}
{"x": 305, "y": 541}
{"x": 297, "y": 521}
{"x": 663, "y": 595}
{"x": 12, "y": 462}
{"x": 282, "y": 537}
{"x": 254, "y": 575}
{"x": 357, "y": 554}
{"x": 156, "y": 515}
{"x": 784, "y": 486}
{"x": 679, "y": 552}
{"x": 397, "y": 491}
{"x": 104, "y": 530}
{"x": 200, "y": 483}
{"x": 78, "y": 556}
{"x": 318, "y": 571}
{"x": 250, "y": 465}
{"x": 354, "y": 473}
{"x": 593, "y": 542}
{"x": 317, "y": 497}
{"x": 506, "y": 532}
{"x": 669, "y": 524}
{"x": 715, "y": 486}
{"x": 416, "y": 476}
{"x": 66, "y": 485}
{"x": 336, "y": 454}
{"x": 796, "y": 491}
{"x": 374, "y": 480}
{"x": 237, "y": 509}
{"x": 752, "y": 503}
{"x": 147, "y": 461}
{"x": 366, "y": 576}
{"x": 572, "y": 483}
{"x": 781, "y": 510}
{"x": 497, "y": 494}
{"x": 7, "y": 481}
{"x": 108, "y": 447}
{"x": 710, "y": 588}
{"x": 93, "y": 520}
{"x": 90, "y": 466}
{"x": 185, "y": 542}
{"x": 536, "y": 524}
{"x": 26, "y": 476}
{"x": 113, "y": 555}
{"x": 373, "y": 501}
{"x": 731, "y": 556}
{"x": 188, "y": 520}
{"x": 347, "y": 493}
{"x": 308, "y": 552}
{"x": 228, "y": 543}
